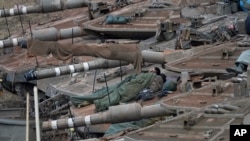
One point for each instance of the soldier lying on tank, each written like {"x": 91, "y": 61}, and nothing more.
{"x": 169, "y": 83}
{"x": 241, "y": 63}
{"x": 157, "y": 71}
{"x": 155, "y": 86}
{"x": 243, "y": 60}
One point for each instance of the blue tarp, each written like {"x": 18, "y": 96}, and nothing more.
{"x": 244, "y": 57}
{"x": 245, "y": 5}
{"x": 110, "y": 19}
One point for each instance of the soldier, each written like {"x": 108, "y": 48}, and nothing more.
{"x": 247, "y": 25}
{"x": 157, "y": 71}
{"x": 243, "y": 60}
{"x": 241, "y": 63}
{"x": 169, "y": 85}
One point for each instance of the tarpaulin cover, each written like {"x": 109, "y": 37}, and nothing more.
{"x": 123, "y": 52}
{"x": 124, "y": 91}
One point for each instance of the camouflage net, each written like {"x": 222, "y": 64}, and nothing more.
{"x": 123, "y": 52}
{"x": 125, "y": 91}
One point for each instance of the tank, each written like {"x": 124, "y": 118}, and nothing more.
{"x": 47, "y": 6}
{"x": 95, "y": 80}
{"x": 54, "y": 33}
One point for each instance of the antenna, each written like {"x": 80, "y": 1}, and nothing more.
{"x": 20, "y": 18}
{"x": 121, "y": 69}
{"x": 72, "y": 36}
{"x": 31, "y": 34}
{"x": 107, "y": 88}
{"x": 6, "y": 21}
{"x": 93, "y": 90}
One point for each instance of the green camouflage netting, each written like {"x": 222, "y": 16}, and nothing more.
{"x": 124, "y": 91}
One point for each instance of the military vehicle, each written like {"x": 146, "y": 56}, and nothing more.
{"x": 205, "y": 102}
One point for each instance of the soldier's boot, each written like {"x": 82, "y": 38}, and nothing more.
{"x": 239, "y": 69}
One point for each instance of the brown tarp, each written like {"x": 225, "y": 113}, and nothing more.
{"x": 123, "y": 52}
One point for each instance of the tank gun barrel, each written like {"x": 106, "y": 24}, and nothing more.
{"x": 115, "y": 114}
{"x": 91, "y": 65}
{"x": 47, "y": 34}
{"x": 45, "y": 6}
{"x": 11, "y": 42}
{"x": 53, "y": 34}
{"x": 214, "y": 19}
{"x": 69, "y": 69}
